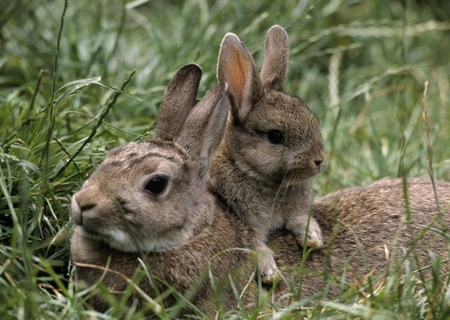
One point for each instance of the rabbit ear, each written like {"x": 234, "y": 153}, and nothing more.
{"x": 237, "y": 68}
{"x": 178, "y": 101}
{"x": 276, "y": 59}
{"x": 204, "y": 127}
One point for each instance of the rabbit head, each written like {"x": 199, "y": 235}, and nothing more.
{"x": 272, "y": 135}
{"x": 149, "y": 196}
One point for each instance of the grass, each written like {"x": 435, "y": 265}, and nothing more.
{"x": 78, "y": 78}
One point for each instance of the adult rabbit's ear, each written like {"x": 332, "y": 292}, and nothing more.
{"x": 237, "y": 68}
{"x": 179, "y": 98}
{"x": 276, "y": 59}
{"x": 205, "y": 125}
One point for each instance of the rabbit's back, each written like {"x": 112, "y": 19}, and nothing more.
{"x": 371, "y": 229}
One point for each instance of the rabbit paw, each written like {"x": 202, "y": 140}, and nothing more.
{"x": 314, "y": 239}
{"x": 267, "y": 266}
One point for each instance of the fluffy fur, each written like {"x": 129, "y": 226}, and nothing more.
{"x": 123, "y": 212}
{"x": 271, "y": 150}
{"x": 187, "y": 237}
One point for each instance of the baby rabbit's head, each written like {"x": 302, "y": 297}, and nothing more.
{"x": 272, "y": 135}
{"x": 150, "y": 196}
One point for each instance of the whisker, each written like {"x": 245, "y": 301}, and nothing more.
{"x": 276, "y": 195}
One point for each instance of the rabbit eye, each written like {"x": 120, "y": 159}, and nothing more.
{"x": 157, "y": 185}
{"x": 275, "y": 137}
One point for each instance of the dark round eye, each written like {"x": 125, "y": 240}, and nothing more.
{"x": 157, "y": 185}
{"x": 275, "y": 137}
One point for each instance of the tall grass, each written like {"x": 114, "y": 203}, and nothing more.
{"x": 69, "y": 93}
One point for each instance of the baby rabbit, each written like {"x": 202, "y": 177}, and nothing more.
{"x": 271, "y": 149}
{"x": 148, "y": 200}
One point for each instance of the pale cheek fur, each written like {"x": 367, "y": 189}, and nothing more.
{"x": 121, "y": 241}
{"x": 115, "y": 238}
{"x": 117, "y": 235}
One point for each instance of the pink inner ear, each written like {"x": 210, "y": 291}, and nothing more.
{"x": 237, "y": 72}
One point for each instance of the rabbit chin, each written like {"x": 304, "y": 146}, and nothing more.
{"x": 298, "y": 176}
{"x": 121, "y": 241}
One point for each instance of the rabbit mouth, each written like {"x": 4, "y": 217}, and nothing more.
{"x": 91, "y": 234}
{"x": 115, "y": 238}
{"x": 122, "y": 241}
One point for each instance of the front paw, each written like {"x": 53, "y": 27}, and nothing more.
{"x": 267, "y": 266}
{"x": 314, "y": 239}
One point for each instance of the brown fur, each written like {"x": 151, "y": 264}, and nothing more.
{"x": 176, "y": 231}
{"x": 203, "y": 232}
{"x": 184, "y": 269}
{"x": 267, "y": 184}
{"x": 364, "y": 221}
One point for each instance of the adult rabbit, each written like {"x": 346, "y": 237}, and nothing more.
{"x": 148, "y": 200}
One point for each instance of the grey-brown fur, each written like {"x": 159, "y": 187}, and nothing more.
{"x": 267, "y": 184}
{"x": 203, "y": 232}
{"x": 184, "y": 269}
{"x": 364, "y": 221}
{"x": 176, "y": 231}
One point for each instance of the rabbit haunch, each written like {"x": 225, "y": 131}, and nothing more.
{"x": 374, "y": 230}
{"x": 271, "y": 149}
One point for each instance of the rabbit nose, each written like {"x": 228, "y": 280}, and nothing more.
{"x": 78, "y": 207}
{"x": 77, "y": 213}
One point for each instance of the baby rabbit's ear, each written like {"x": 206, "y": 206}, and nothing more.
{"x": 204, "y": 127}
{"x": 179, "y": 98}
{"x": 276, "y": 59}
{"x": 237, "y": 68}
